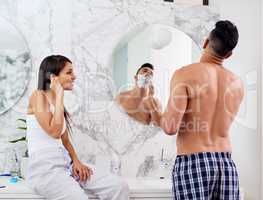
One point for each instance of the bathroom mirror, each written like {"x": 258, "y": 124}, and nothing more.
{"x": 165, "y": 47}
{"x": 15, "y": 65}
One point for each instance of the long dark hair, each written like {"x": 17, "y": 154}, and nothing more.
{"x": 53, "y": 65}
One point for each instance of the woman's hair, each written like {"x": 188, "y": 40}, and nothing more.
{"x": 52, "y": 65}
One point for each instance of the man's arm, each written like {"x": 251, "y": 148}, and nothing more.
{"x": 156, "y": 112}
{"x": 177, "y": 104}
{"x": 153, "y": 106}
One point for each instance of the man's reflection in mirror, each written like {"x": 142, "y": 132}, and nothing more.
{"x": 139, "y": 102}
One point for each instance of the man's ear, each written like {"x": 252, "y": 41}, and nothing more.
{"x": 228, "y": 55}
{"x": 136, "y": 78}
{"x": 205, "y": 45}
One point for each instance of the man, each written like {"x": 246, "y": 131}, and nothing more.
{"x": 139, "y": 102}
{"x": 204, "y": 99}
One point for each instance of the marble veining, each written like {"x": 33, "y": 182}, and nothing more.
{"x": 89, "y": 36}
{"x": 15, "y": 65}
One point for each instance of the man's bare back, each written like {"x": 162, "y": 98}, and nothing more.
{"x": 204, "y": 100}
{"x": 214, "y": 96}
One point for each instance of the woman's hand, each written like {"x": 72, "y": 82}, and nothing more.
{"x": 82, "y": 171}
{"x": 55, "y": 85}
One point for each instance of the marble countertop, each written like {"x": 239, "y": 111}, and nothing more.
{"x": 139, "y": 187}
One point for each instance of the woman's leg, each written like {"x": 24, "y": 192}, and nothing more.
{"x": 61, "y": 186}
{"x": 49, "y": 176}
{"x": 106, "y": 186}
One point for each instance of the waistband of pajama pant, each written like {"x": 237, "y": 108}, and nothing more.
{"x": 48, "y": 151}
{"x": 204, "y": 155}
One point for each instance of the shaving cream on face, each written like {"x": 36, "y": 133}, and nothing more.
{"x": 143, "y": 81}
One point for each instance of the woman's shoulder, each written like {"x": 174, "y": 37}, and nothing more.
{"x": 37, "y": 94}
{"x": 37, "y": 98}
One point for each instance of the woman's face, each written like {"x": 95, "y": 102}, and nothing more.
{"x": 66, "y": 76}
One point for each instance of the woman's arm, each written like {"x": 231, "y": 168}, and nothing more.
{"x": 67, "y": 144}
{"x": 79, "y": 170}
{"x": 52, "y": 124}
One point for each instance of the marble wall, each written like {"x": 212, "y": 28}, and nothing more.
{"x": 88, "y": 32}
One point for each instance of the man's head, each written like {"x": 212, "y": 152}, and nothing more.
{"x": 145, "y": 69}
{"x": 223, "y": 39}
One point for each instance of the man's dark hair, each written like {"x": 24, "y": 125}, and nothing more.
{"x": 145, "y": 65}
{"x": 223, "y": 38}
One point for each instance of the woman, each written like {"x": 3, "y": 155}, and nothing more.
{"x": 55, "y": 171}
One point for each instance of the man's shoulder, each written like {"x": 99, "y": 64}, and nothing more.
{"x": 122, "y": 94}
{"x": 232, "y": 77}
{"x": 185, "y": 72}
{"x": 187, "y": 68}
{"x": 232, "y": 74}
{"x": 235, "y": 82}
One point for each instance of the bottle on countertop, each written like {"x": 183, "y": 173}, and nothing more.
{"x": 162, "y": 166}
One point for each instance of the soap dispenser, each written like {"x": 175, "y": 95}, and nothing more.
{"x": 162, "y": 166}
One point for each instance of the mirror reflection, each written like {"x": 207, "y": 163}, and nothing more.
{"x": 143, "y": 64}
{"x": 15, "y": 65}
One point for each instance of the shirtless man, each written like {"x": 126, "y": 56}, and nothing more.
{"x": 139, "y": 102}
{"x": 204, "y": 100}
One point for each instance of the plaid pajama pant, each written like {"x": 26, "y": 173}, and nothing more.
{"x": 205, "y": 176}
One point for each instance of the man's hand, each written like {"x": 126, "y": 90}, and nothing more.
{"x": 153, "y": 107}
{"x": 151, "y": 90}
{"x": 83, "y": 172}
{"x": 150, "y": 104}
